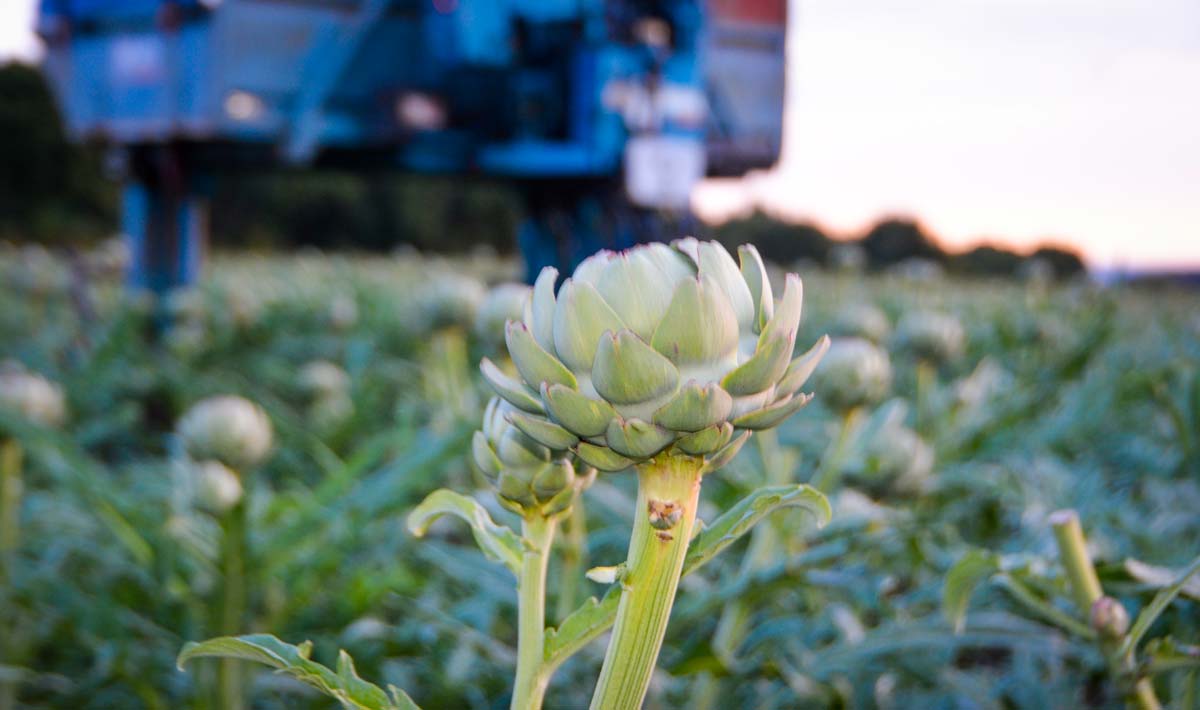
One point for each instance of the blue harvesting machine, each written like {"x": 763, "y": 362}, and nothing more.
{"x": 604, "y": 113}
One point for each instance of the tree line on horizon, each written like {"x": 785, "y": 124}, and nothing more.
{"x": 55, "y": 192}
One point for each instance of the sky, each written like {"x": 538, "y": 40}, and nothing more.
{"x": 1009, "y": 121}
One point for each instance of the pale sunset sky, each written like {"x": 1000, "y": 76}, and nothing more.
{"x": 1014, "y": 121}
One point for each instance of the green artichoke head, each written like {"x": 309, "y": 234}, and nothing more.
{"x": 229, "y": 429}
{"x": 529, "y": 477}
{"x": 658, "y": 350}
{"x": 937, "y": 337}
{"x": 856, "y": 373}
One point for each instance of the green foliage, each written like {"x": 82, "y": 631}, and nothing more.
{"x": 352, "y": 692}
{"x": 497, "y": 542}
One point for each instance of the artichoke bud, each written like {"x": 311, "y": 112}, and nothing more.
{"x": 855, "y": 372}
{"x": 936, "y": 337}
{"x": 228, "y": 429}
{"x": 658, "y": 350}
{"x": 1109, "y": 618}
{"x": 528, "y": 476}
{"x": 32, "y": 396}
{"x": 218, "y": 489}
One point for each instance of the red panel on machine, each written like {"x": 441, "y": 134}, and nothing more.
{"x": 767, "y": 12}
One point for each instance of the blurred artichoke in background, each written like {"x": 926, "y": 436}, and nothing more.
{"x": 503, "y": 302}
{"x": 863, "y": 320}
{"x": 449, "y": 299}
{"x": 321, "y": 378}
{"x": 529, "y": 478}
{"x": 218, "y": 488}
{"x": 228, "y": 429}
{"x": 932, "y": 336}
{"x": 659, "y": 348}
{"x": 891, "y": 457}
{"x": 855, "y": 372}
{"x": 34, "y": 397}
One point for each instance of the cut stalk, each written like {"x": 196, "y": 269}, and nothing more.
{"x": 1072, "y": 551}
{"x": 668, "y": 493}
{"x": 530, "y": 687}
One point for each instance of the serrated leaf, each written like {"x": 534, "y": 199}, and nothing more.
{"x": 1160, "y": 577}
{"x": 587, "y": 622}
{"x": 344, "y": 685}
{"x": 497, "y": 542}
{"x": 747, "y": 513}
{"x": 971, "y": 569}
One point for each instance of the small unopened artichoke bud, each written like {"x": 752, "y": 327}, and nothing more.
{"x": 34, "y": 397}
{"x": 863, "y": 320}
{"x": 218, "y": 489}
{"x": 321, "y": 378}
{"x": 934, "y": 336}
{"x": 855, "y": 372}
{"x": 1109, "y": 618}
{"x": 504, "y": 302}
{"x": 528, "y": 477}
{"x": 229, "y": 429}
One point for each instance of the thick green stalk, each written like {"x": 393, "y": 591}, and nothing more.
{"x": 530, "y": 686}
{"x": 1085, "y": 587}
{"x": 668, "y": 493}
{"x": 574, "y": 559}
{"x": 232, "y": 606}
{"x": 10, "y": 506}
{"x": 1072, "y": 551}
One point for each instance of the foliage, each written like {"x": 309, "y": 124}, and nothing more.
{"x": 1064, "y": 396}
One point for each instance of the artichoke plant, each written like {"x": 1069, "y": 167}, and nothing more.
{"x": 663, "y": 358}
{"x": 660, "y": 350}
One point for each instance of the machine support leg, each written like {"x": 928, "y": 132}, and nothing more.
{"x": 165, "y": 222}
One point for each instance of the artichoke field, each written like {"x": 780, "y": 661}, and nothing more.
{"x": 1012, "y": 471}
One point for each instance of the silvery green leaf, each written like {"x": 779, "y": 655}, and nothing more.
{"x": 1147, "y": 616}
{"x": 497, "y": 542}
{"x": 747, "y": 513}
{"x": 344, "y": 685}
{"x": 974, "y": 567}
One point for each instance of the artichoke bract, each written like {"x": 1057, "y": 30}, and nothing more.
{"x": 660, "y": 349}
{"x": 529, "y": 478}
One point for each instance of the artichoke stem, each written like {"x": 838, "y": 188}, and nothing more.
{"x": 232, "y": 607}
{"x": 530, "y": 687}
{"x": 574, "y": 559}
{"x": 668, "y": 493}
{"x": 829, "y": 473}
{"x": 10, "y": 505}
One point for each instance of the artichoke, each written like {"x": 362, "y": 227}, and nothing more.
{"x": 529, "y": 478}
{"x": 856, "y": 372}
{"x": 34, "y": 397}
{"x": 656, "y": 350}
{"x": 228, "y": 429}
{"x": 502, "y": 303}
{"x": 218, "y": 489}
{"x": 933, "y": 336}
{"x": 863, "y": 320}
